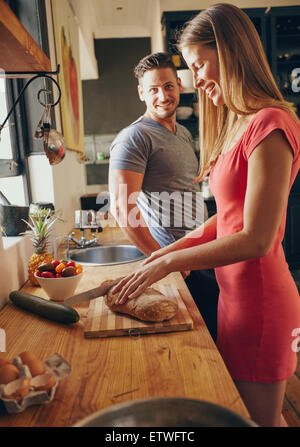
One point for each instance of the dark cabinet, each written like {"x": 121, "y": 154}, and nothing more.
{"x": 285, "y": 66}
{"x": 291, "y": 242}
{"x": 279, "y": 30}
{"x": 259, "y": 17}
{"x": 172, "y": 22}
{"x": 285, "y": 51}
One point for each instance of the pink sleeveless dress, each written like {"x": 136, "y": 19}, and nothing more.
{"x": 259, "y": 304}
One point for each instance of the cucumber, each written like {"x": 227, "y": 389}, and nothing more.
{"x": 44, "y": 308}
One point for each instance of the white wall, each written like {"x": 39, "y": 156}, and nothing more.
{"x": 84, "y": 18}
{"x": 157, "y": 37}
{"x": 13, "y": 265}
{"x": 69, "y": 181}
{"x": 69, "y": 176}
{"x": 61, "y": 184}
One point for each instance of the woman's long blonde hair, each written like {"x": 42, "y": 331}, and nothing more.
{"x": 246, "y": 79}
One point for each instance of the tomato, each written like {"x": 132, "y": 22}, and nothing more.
{"x": 71, "y": 264}
{"x": 60, "y": 267}
{"x": 78, "y": 269}
{"x": 38, "y": 273}
{"x": 47, "y": 275}
{"x": 55, "y": 263}
{"x": 58, "y": 275}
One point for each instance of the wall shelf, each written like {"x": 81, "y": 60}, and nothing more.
{"x": 19, "y": 52}
{"x": 28, "y": 74}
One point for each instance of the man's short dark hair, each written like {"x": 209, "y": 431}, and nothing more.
{"x": 154, "y": 61}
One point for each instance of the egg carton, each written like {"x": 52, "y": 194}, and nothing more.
{"x": 56, "y": 365}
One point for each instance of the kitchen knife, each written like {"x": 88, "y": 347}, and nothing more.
{"x": 91, "y": 294}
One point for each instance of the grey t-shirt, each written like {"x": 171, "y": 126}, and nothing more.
{"x": 170, "y": 202}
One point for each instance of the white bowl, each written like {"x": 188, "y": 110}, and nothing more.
{"x": 59, "y": 288}
{"x": 183, "y": 113}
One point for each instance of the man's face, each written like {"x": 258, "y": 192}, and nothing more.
{"x": 160, "y": 89}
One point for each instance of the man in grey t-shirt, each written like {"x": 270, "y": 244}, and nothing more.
{"x": 170, "y": 203}
{"x": 152, "y": 168}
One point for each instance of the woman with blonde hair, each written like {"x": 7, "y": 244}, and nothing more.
{"x": 250, "y": 146}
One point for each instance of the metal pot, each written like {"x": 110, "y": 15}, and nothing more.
{"x": 166, "y": 412}
{"x": 11, "y": 219}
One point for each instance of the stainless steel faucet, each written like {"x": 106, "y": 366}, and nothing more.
{"x": 85, "y": 220}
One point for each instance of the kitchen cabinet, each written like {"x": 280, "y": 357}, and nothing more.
{"x": 172, "y": 23}
{"x": 285, "y": 51}
{"x": 19, "y": 52}
{"x": 280, "y": 33}
{"x": 291, "y": 241}
{"x": 285, "y": 66}
{"x": 279, "y": 30}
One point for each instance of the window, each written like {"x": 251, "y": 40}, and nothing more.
{"x": 17, "y": 143}
{"x": 13, "y": 182}
{"x": 6, "y": 151}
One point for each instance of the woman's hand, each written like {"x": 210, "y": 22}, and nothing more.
{"x": 156, "y": 254}
{"x": 137, "y": 282}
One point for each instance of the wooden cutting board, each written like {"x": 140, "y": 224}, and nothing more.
{"x": 102, "y": 322}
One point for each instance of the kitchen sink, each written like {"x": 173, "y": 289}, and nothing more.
{"x": 106, "y": 255}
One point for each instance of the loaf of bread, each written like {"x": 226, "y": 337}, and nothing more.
{"x": 151, "y": 305}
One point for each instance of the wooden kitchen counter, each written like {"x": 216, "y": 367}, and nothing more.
{"x": 108, "y": 371}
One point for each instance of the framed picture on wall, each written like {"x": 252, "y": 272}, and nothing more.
{"x": 66, "y": 32}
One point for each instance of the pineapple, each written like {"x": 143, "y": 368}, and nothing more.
{"x": 40, "y": 224}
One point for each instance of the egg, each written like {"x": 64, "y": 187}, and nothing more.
{"x": 36, "y": 367}
{"x": 17, "y": 389}
{"x": 43, "y": 383}
{"x": 27, "y": 356}
{"x": 5, "y": 361}
{"x": 8, "y": 373}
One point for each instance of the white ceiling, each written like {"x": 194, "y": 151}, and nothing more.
{"x": 132, "y": 18}
{"x": 120, "y": 18}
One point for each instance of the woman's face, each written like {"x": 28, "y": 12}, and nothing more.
{"x": 204, "y": 63}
